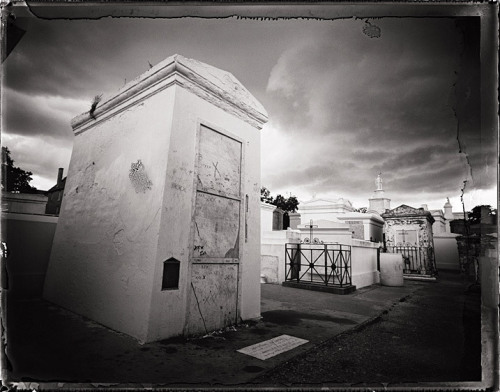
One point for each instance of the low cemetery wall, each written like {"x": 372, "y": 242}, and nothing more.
{"x": 29, "y": 243}
{"x": 272, "y": 268}
{"x": 446, "y": 251}
{"x": 364, "y": 263}
{"x": 363, "y": 260}
{"x": 273, "y": 254}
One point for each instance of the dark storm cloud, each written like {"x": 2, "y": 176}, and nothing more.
{"x": 417, "y": 159}
{"x": 349, "y": 83}
{"x": 48, "y": 60}
{"x": 344, "y": 106}
{"x": 34, "y": 116}
{"x": 343, "y": 177}
{"x": 86, "y": 57}
{"x": 435, "y": 181}
{"x": 389, "y": 104}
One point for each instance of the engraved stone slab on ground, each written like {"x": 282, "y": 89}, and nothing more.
{"x": 272, "y": 347}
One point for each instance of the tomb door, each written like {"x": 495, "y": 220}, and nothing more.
{"x": 215, "y": 260}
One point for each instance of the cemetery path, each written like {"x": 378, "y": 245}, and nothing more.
{"x": 432, "y": 335}
{"x": 418, "y": 328}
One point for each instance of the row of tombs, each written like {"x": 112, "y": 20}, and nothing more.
{"x": 170, "y": 238}
{"x": 326, "y": 230}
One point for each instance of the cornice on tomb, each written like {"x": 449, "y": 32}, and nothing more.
{"x": 216, "y": 86}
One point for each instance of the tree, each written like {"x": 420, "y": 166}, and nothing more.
{"x": 15, "y": 179}
{"x": 288, "y": 205}
{"x": 474, "y": 216}
{"x": 362, "y": 209}
{"x": 265, "y": 195}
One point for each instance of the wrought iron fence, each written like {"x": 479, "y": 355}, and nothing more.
{"x": 325, "y": 264}
{"x": 417, "y": 260}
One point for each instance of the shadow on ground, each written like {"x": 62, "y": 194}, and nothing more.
{"x": 420, "y": 332}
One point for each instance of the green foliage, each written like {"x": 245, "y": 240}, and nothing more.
{"x": 289, "y": 204}
{"x": 14, "y": 179}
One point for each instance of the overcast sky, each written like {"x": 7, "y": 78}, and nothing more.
{"x": 342, "y": 106}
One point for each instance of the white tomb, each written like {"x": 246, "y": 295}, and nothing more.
{"x": 330, "y": 231}
{"x": 364, "y": 226}
{"x": 266, "y": 217}
{"x": 321, "y": 208}
{"x": 445, "y": 243}
{"x": 159, "y": 231}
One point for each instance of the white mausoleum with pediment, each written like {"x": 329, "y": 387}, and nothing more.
{"x": 159, "y": 234}
{"x": 363, "y": 226}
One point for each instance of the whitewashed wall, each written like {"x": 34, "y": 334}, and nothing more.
{"x": 105, "y": 247}
{"x": 24, "y": 203}
{"x": 166, "y": 303}
{"x": 332, "y": 231}
{"x": 446, "y": 251}
{"x": 266, "y": 217}
{"x": 273, "y": 261}
{"x": 363, "y": 259}
{"x": 113, "y": 238}
{"x": 364, "y": 263}
{"x": 29, "y": 242}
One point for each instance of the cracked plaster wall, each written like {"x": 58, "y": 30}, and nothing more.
{"x": 103, "y": 260}
{"x": 112, "y": 240}
{"x": 421, "y": 225}
{"x": 178, "y": 210}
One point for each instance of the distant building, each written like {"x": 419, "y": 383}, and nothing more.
{"x": 55, "y": 195}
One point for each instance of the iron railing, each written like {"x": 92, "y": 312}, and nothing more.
{"x": 417, "y": 260}
{"x": 324, "y": 264}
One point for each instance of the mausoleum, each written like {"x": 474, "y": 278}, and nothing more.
{"x": 408, "y": 230}
{"x": 159, "y": 230}
{"x": 322, "y": 208}
{"x": 363, "y": 226}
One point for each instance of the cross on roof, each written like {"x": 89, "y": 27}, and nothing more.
{"x": 310, "y": 225}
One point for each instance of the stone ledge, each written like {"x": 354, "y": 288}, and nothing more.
{"x": 422, "y": 278}
{"x": 217, "y": 86}
{"x": 319, "y": 287}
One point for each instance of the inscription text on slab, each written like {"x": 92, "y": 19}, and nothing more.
{"x": 272, "y": 347}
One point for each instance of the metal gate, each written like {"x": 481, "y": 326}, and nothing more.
{"x": 417, "y": 260}
{"x": 320, "y": 264}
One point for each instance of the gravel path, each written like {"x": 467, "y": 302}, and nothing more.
{"x": 432, "y": 335}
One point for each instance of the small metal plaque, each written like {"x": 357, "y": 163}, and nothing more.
{"x": 272, "y": 347}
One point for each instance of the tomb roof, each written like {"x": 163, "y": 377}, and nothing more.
{"x": 406, "y": 211}
{"x": 437, "y": 213}
{"x": 324, "y": 201}
{"x": 205, "y": 80}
